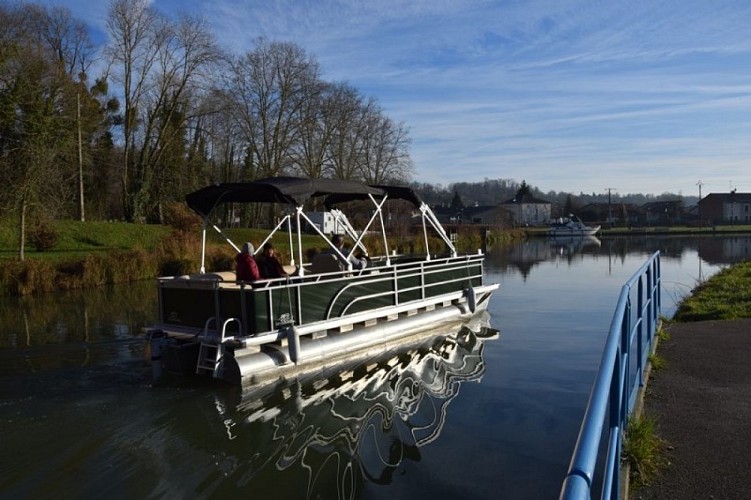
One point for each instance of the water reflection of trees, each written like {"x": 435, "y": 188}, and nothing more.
{"x": 59, "y": 328}
{"x": 328, "y": 434}
{"x": 524, "y": 256}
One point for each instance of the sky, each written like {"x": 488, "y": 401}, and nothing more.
{"x": 646, "y": 96}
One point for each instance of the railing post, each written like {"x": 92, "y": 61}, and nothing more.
{"x": 651, "y": 305}
{"x": 640, "y": 334}
{"x": 658, "y": 287}
{"x": 624, "y": 353}
{"x": 618, "y": 403}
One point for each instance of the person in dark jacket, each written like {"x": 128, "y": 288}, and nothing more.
{"x": 359, "y": 261}
{"x": 246, "y": 267}
{"x": 269, "y": 264}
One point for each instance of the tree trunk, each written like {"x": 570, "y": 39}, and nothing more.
{"x": 80, "y": 159}
{"x": 22, "y": 229}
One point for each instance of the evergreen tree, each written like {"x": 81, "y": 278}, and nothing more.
{"x": 524, "y": 190}
{"x": 456, "y": 202}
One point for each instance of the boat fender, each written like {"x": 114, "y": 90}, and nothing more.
{"x": 293, "y": 341}
{"x": 471, "y": 299}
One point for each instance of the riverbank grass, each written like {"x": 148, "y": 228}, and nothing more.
{"x": 67, "y": 254}
{"x": 663, "y": 334}
{"x": 726, "y": 295}
{"x": 644, "y": 450}
{"x": 75, "y": 239}
{"x": 657, "y": 361}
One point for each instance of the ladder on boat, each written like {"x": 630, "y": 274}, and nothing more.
{"x": 210, "y": 352}
{"x": 208, "y": 358}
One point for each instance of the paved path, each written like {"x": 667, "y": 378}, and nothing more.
{"x": 701, "y": 401}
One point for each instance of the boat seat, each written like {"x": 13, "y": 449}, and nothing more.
{"x": 325, "y": 263}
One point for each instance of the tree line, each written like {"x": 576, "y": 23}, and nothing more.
{"x": 491, "y": 192}
{"x": 170, "y": 112}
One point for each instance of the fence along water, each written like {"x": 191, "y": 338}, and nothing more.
{"x": 629, "y": 342}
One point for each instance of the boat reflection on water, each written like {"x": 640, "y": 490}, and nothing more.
{"x": 333, "y": 431}
{"x": 569, "y": 245}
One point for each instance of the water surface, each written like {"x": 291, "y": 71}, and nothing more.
{"x": 457, "y": 415}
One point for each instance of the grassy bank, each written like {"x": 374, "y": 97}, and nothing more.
{"x": 77, "y": 239}
{"x": 91, "y": 254}
{"x": 726, "y": 295}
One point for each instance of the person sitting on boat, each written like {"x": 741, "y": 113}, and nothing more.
{"x": 246, "y": 267}
{"x": 358, "y": 262}
{"x": 268, "y": 263}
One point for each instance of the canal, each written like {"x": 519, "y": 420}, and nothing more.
{"x": 489, "y": 415}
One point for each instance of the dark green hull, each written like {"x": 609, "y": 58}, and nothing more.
{"x": 192, "y": 305}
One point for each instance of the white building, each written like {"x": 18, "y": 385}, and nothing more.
{"x": 526, "y": 210}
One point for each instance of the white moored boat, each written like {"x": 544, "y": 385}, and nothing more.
{"x": 250, "y": 333}
{"x": 571, "y": 226}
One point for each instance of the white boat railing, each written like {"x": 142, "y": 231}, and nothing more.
{"x": 460, "y": 274}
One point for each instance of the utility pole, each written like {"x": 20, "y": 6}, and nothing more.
{"x": 700, "y": 184}
{"x": 610, "y": 210}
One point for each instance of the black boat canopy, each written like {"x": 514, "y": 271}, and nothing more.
{"x": 292, "y": 191}
{"x": 393, "y": 192}
{"x": 288, "y": 190}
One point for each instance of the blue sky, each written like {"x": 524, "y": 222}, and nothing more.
{"x": 637, "y": 96}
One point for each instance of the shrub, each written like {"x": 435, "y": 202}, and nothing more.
{"x": 69, "y": 275}
{"x": 9, "y": 271}
{"x": 31, "y": 276}
{"x": 132, "y": 265}
{"x": 180, "y": 217}
{"x": 43, "y": 236}
{"x": 94, "y": 272}
{"x": 176, "y": 267}
{"x": 179, "y": 245}
{"x": 219, "y": 260}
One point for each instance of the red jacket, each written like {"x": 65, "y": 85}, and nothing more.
{"x": 247, "y": 269}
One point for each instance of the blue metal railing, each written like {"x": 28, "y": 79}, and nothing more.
{"x": 617, "y": 384}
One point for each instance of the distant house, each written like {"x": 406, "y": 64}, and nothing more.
{"x": 492, "y": 215}
{"x": 447, "y": 215}
{"x": 666, "y": 213}
{"x": 620, "y": 214}
{"x": 527, "y": 210}
{"x": 733, "y": 207}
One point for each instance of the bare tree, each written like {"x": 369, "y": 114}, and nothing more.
{"x": 349, "y": 112}
{"x": 185, "y": 70}
{"x": 163, "y": 67}
{"x": 67, "y": 38}
{"x": 224, "y": 139}
{"x": 309, "y": 153}
{"x": 134, "y": 33}
{"x": 272, "y": 86}
{"x": 385, "y": 155}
